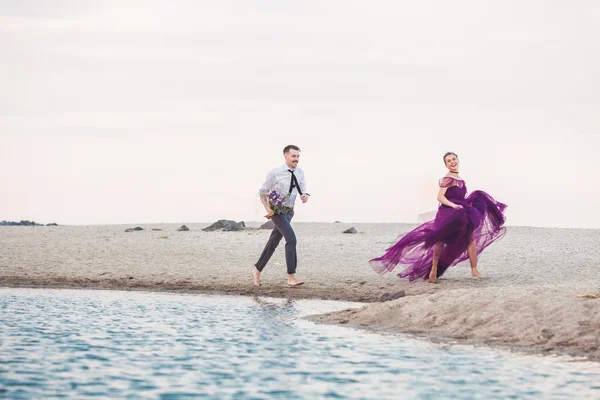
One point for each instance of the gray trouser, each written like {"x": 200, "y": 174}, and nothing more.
{"x": 282, "y": 229}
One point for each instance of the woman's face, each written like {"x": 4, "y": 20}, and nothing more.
{"x": 452, "y": 162}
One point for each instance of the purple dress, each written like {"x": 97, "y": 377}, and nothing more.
{"x": 482, "y": 219}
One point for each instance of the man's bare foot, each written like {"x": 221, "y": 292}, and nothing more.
{"x": 256, "y": 276}
{"x": 476, "y": 273}
{"x": 292, "y": 281}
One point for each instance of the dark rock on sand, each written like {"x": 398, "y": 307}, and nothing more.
{"x": 392, "y": 296}
{"x": 225, "y": 225}
{"x": 183, "y": 228}
{"x": 350, "y": 230}
{"x": 546, "y": 334}
{"x": 268, "y": 225}
{"x": 20, "y": 223}
{"x": 137, "y": 228}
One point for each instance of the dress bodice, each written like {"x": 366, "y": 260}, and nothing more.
{"x": 456, "y": 188}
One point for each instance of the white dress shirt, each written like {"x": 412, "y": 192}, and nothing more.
{"x": 279, "y": 179}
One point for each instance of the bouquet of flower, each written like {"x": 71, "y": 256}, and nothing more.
{"x": 275, "y": 201}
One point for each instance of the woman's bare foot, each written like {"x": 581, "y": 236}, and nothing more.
{"x": 476, "y": 273}
{"x": 292, "y": 281}
{"x": 256, "y": 276}
{"x": 433, "y": 276}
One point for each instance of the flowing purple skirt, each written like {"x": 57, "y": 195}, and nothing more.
{"x": 481, "y": 219}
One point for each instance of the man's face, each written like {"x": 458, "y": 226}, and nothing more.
{"x": 291, "y": 158}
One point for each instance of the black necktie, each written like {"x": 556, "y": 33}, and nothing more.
{"x": 294, "y": 183}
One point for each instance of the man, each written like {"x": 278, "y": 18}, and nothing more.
{"x": 287, "y": 180}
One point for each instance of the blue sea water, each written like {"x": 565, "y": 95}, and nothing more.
{"x": 137, "y": 345}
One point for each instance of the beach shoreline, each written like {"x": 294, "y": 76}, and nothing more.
{"x": 369, "y": 317}
{"x": 528, "y": 299}
{"x": 282, "y": 291}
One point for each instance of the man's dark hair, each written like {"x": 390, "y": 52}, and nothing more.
{"x": 289, "y": 147}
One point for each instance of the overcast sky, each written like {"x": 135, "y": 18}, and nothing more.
{"x": 174, "y": 111}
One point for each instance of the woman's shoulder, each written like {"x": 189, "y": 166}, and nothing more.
{"x": 449, "y": 180}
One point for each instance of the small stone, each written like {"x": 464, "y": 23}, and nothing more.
{"x": 547, "y": 334}
{"x": 388, "y": 296}
{"x": 156, "y": 229}
{"x": 183, "y": 228}
{"x": 350, "y": 230}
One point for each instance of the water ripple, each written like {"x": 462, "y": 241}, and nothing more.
{"x": 80, "y": 344}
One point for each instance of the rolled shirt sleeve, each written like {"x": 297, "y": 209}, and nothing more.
{"x": 268, "y": 184}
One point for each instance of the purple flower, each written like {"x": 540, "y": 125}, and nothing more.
{"x": 276, "y": 201}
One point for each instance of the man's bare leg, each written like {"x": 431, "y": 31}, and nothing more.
{"x": 437, "y": 251}
{"x": 256, "y": 276}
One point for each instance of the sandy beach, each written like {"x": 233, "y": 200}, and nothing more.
{"x": 528, "y": 299}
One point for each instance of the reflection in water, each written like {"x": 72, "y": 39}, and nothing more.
{"x": 276, "y": 308}
{"x": 158, "y": 345}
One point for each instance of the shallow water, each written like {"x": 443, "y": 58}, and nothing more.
{"x": 114, "y": 344}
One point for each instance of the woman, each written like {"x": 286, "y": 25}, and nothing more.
{"x": 462, "y": 228}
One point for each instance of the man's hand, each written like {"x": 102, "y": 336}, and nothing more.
{"x": 304, "y": 198}
{"x": 269, "y": 213}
